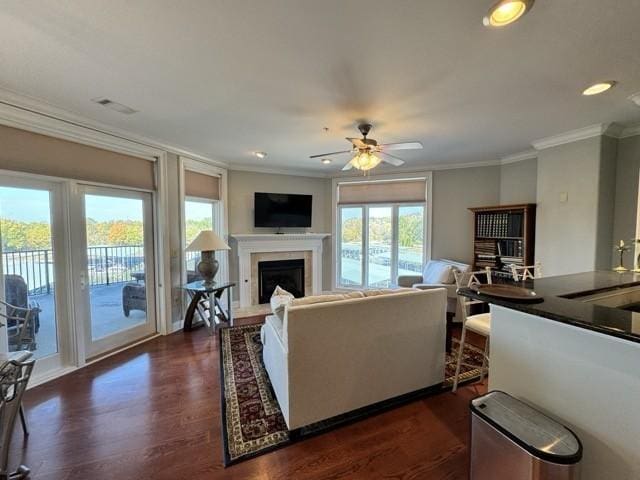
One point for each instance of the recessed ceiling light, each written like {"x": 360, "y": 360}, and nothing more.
{"x": 326, "y": 161}
{"x": 597, "y": 88}
{"x": 260, "y": 154}
{"x": 506, "y": 11}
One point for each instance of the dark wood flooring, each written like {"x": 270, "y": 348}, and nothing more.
{"x": 153, "y": 412}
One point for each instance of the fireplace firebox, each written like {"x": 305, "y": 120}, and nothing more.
{"x": 289, "y": 274}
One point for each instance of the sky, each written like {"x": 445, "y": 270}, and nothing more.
{"x": 24, "y": 204}
{"x": 31, "y": 205}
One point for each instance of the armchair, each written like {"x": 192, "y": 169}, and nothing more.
{"x": 438, "y": 274}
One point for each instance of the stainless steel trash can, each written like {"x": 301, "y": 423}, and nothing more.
{"x": 512, "y": 441}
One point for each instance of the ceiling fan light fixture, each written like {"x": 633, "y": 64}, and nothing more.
{"x": 260, "y": 154}
{"x": 326, "y": 161}
{"x": 505, "y": 12}
{"x": 598, "y": 88}
{"x": 365, "y": 161}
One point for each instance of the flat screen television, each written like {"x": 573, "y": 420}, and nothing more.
{"x": 282, "y": 210}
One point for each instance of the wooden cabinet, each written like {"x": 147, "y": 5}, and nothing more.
{"x": 504, "y": 235}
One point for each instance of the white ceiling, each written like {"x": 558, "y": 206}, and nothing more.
{"x": 225, "y": 78}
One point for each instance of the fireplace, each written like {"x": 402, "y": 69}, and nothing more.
{"x": 289, "y": 274}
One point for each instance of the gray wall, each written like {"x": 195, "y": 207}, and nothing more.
{"x": 518, "y": 182}
{"x": 567, "y": 232}
{"x": 242, "y": 186}
{"x": 626, "y": 192}
{"x": 606, "y": 202}
{"x": 454, "y": 191}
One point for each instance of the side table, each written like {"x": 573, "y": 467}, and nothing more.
{"x": 205, "y": 299}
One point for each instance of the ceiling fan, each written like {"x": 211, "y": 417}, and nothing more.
{"x": 365, "y": 150}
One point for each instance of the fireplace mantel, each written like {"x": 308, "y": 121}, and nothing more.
{"x": 249, "y": 243}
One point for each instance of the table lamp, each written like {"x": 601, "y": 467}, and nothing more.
{"x": 207, "y": 242}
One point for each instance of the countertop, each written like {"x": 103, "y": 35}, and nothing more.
{"x": 557, "y": 304}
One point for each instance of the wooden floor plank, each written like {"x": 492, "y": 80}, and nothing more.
{"x": 153, "y": 412}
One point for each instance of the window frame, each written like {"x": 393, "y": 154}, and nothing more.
{"x": 395, "y": 244}
{"x": 336, "y": 266}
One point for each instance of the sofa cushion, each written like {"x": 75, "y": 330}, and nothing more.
{"x": 317, "y": 299}
{"x": 436, "y": 271}
{"x": 279, "y": 300}
{"x": 385, "y": 291}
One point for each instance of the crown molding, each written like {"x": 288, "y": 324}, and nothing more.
{"x": 571, "y": 136}
{"x": 630, "y": 131}
{"x": 296, "y": 172}
{"x": 519, "y": 157}
{"x": 35, "y": 115}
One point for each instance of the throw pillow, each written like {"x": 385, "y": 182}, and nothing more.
{"x": 279, "y": 300}
{"x": 437, "y": 272}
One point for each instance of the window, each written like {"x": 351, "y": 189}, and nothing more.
{"x": 379, "y": 242}
{"x": 198, "y": 216}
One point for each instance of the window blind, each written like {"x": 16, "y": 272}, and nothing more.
{"x": 396, "y": 191}
{"x": 201, "y": 185}
{"x": 30, "y": 152}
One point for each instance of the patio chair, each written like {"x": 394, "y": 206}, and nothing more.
{"x": 134, "y": 297}
{"x": 16, "y": 292}
{"x": 21, "y": 330}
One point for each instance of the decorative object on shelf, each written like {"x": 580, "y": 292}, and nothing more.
{"x": 207, "y": 242}
{"x": 621, "y": 248}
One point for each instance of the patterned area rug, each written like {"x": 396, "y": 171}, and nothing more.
{"x": 252, "y": 423}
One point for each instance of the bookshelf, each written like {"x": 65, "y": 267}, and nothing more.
{"x": 503, "y": 235}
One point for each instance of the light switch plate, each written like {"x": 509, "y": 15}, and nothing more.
{"x": 564, "y": 197}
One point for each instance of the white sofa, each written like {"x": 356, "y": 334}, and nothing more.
{"x": 436, "y": 270}
{"x": 326, "y": 359}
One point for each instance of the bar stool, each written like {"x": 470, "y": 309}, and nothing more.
{"x": 479, "y": 323}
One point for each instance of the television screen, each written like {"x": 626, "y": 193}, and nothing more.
{"x": 282, "y": 210}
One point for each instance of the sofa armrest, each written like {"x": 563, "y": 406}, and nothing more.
{"x": 409, "y": 280}
{"x": 450, "y": 287}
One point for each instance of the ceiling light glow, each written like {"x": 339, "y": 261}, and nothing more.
{"x": 260, "y": 154}
{"x": 506, "y": 12}
{"x": 326, "y": 161}
{"x": 365, "y": 161}
{"x": 598, "y": 88}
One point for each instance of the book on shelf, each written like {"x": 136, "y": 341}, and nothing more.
{"x": 497, "y": 225}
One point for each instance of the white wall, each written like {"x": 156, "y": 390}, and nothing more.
{"x": 454, "y": 192}
{"x": 626, "y": 193}
{"x": 566, "y": 232}
{"x": 519, "y": 182}
{"x": 242, "y": 185}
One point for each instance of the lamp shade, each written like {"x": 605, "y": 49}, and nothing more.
{"x": 207, "y": 241}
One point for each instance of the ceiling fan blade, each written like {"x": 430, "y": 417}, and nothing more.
{"x": 329, "y": 154}
{"x": 402, "y": 146}
{"x": 393, "y": 160}
{"x": 348, "y": 166}
{"x": 357, "y": 142}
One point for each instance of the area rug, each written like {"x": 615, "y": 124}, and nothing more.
{"x": 252, "y": 423}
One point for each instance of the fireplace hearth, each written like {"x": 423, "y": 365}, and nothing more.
{"x": 289, "y": 274}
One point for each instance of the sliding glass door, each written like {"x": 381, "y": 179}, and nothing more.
{"x": 33, "y": 271}
{"x": 116, "y": 268}
{"x": 379, "y": 242}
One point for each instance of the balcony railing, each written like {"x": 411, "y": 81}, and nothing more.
{"x": 106, "y": 265}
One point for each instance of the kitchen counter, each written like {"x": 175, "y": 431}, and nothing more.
{"x": 562, "y": 301}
